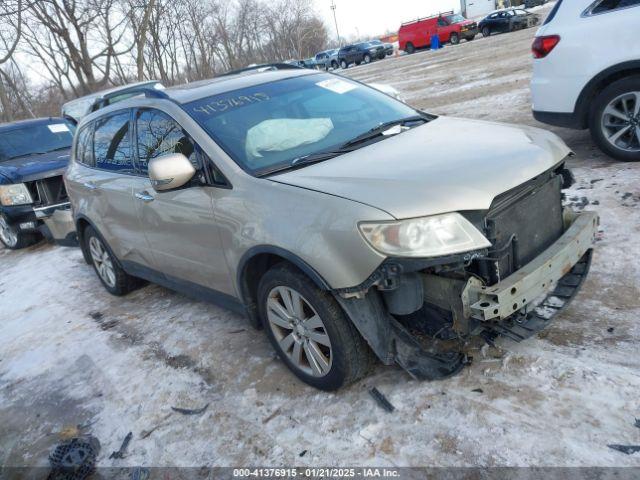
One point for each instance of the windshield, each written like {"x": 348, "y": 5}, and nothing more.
{"x": 35, "y": 140}
{"x": 268, "y": 126}
{"x": 457, "y": 18}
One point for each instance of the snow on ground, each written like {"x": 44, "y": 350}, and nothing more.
{"x": 72, "y": 354}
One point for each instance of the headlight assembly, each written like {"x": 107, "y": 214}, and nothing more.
{"x": 16, "y": 194}
{"x": 425, "y": 237}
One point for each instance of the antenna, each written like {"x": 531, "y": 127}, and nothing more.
{"x": 333, "y": 8}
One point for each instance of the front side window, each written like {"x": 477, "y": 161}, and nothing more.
{"x": 604, "y": 6}
{"x": 36, "y": 139}
{"x": 112, "y": 143}
{"x": 158, "y": 134}
{"x": 267, "y": 126}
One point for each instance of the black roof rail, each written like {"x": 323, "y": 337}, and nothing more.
{"x": 148, "y": 92}
{"x": 265, "y": 66}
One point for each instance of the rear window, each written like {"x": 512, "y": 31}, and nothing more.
{"x": 36, "y": 139}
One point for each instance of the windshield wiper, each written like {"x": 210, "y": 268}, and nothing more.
{"x": 59, "y": 148}
{"x": 383, "y": 127}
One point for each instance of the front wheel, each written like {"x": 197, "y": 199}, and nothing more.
{"x": 454, "y": 39}
{"x": 367, "y": 58}
{"x": 13, "y": 238}
{"x": 344, "y": 65}
{"x": 114, "y": 279}
{"x": 309, "y": 331}
{"x": 334, "y": 65}
{"x": 410, "y": 48}
{"x": 614, "y": 120}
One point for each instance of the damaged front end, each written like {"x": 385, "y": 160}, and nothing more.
{"x": 419, "y": 313}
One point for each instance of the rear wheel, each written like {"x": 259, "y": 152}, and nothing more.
{"x": 113, "y": 277}
{"x": 454, "y": 39}
{"x": 410, "y": 48}
{"x": 486, "y": 32}
{"x": 13, "y": 238}
{"x": 309, "y": 331}
{"x": 615, "y": 120}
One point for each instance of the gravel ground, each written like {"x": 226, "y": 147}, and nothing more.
{"x": 71, "y": 354}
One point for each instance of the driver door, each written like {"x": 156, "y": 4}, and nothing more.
{"x": 179, "y": 225}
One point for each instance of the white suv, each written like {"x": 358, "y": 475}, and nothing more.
{"x": 586, "y": 72}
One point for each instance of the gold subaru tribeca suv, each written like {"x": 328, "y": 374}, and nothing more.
{"x": 345, "y": 223}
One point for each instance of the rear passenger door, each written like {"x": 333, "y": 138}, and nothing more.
{"x": 179, "y": 224}
{"x": 108, "y": 185}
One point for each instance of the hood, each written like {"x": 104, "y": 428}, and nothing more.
{"x": 35, "y": 167}
{"x": 446, "y": 165}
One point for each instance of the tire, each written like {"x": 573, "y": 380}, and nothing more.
{"x": 486, "y": 32}
{"x": 409, "y": 48}
{"x": 14, "y": 239}
{"x": 344, "y": 355}
{"x": 114, "y": 279}
{"x": 334, "y": 65}
{"x": 454, "y": 39}
{"x": 344, "y": 65}
{"x": 605, "y": 126}
{"x": 367, "y": 58}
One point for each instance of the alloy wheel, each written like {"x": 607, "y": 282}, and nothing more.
{"x": 8, "y": 234}
{"x": 621, "y": 122}
{"x": 299, "y": 331}
{"x": 102, "y": 261}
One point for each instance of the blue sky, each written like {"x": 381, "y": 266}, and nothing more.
{"x": 374, "y": 17}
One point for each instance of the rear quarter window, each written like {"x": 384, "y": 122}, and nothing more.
{"x": 84, "y": 146}
{"x": 604, "y": 6}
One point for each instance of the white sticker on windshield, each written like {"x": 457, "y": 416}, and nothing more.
{"x": 337, "y": 85}
{"x": 58, "y": 128}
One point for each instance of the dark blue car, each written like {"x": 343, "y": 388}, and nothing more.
{"x": 33, "y": 156}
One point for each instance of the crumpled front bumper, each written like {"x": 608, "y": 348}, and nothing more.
{"x": 523, "y": 290}
{"x": 53, "y": 221}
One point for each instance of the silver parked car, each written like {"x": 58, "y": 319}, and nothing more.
{"x": 345, "y": 223}
{"x": 327, "y": 59}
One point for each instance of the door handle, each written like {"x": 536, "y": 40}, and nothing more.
{"x": 90, "y": 185}
{"x": 144, "y": 196}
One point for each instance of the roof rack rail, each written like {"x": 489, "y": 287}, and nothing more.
{"x": 125, "y": 94}
{"x": 450, "y": 12}
{"x": 266, "y": 67}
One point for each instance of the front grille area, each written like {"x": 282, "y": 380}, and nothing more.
{"x": 521, "y": 224}
{"x": 48, "y": 191}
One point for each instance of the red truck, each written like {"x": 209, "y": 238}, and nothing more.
{"x": 449, "y": 27}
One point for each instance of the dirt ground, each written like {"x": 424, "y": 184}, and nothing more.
{"x": 71, "y": 354}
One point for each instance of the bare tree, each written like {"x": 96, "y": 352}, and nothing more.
{"x": 11, "y": 18}
{"x": 77, "y": 40}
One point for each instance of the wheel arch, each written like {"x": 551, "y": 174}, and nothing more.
{"x": 599, "y": 83}
{"x": 255, "y": 263}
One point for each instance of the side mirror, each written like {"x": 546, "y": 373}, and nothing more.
{"x": 170, "y": 171}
